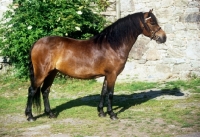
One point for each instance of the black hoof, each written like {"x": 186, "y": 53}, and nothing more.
{"x": 51, "y": 115}
{"x": 114, "y": 117}
{"x": 31, "y": 119}
{"x": 102, "y": 115}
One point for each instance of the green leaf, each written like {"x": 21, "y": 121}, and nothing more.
{"x": 34, "y": 19}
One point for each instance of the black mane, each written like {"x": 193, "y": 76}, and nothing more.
{"x": 119, "y": 31}
{"x": 153, "y": 17}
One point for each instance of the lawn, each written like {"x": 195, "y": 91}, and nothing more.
{"x": 144, "y": 109}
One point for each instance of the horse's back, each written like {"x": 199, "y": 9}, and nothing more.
{"x": 69, "y": 56}
{"x": 52, "y": 45}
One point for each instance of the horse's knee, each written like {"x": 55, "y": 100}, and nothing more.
{"x": 110, "y": 96}
{"x": 45, "y": 92}
{"x": 31, "y": 91}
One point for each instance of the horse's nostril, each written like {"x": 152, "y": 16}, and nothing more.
{"x": 164, "y": 39}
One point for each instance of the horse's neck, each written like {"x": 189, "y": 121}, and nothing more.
{"x": 126, "y": 47}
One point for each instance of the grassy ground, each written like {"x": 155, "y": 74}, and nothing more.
{"x": 144, "y": 109}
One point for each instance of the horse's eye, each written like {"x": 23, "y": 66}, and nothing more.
{"x": 153, "y": 23}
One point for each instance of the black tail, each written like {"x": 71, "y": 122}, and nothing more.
{"x": 36, "y": 97}
{"x": 37, "y": 100}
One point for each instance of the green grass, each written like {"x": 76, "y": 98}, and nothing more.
{"x": 75, "y": 102}
{"x": 193, "y": 85}
{"x": 135, "y": 86}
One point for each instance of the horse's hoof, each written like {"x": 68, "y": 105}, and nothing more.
{"x": 31, "y": 119}
{"x": 52, "y": 115}
{"x": 102, "y": 115}
{"x": 114, "y": 117}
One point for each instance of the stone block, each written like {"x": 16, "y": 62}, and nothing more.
{"x": 146, "y": 1}
{"x": 139, "y": 48}
{"x": 174, "y": 60}
{"x": 152, "y": 63}
{"x": 180, "y": 34}
{"x": 4, "y": 59}
{"x": 192, "y": 10}
{"x": 195, "y": 73}
{"x": 184, "y": 75}
{"x": 193, "y": 50}
{"x": 152, "y": 54}
{"x": 181, "y": 68}
{"x": 163, "y": 68}
{"x": 137, "y": 52}
{"x": 178, "y": 11}
{"x": 193, "y": 4}
{"x": 163, "y": 20}
{"x": 180, "y": 3}
{"x": 127, "y": 5}
{"x": 171, "y": 37}
{"x": 168, "y": 28}
{"x": 162, "y": 11}
{"x": 175, "y": 53}
{"x": 162, "y": 47}
{"x": 193, "y": 17}
{"x": 1, "y": 59}
{"x": 191, "y": 34}
{"x": 195, "y": 64}
{"x": 142, "y": 61}
{"x": 157, "y": 5}
{"x": 140, "y": 7}
{"x": 150, "y": 71}
{"x": 191, "y": 26}
{"x": 166, "y": 3}
{"x": 179, "y": 43}
{"x": 179, "y": 26}
{"x": 152, "y": 5}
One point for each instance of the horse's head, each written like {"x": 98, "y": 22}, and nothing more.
{"x": 152, "y": 29}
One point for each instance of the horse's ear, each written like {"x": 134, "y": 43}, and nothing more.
{"x": 151, "y": 10}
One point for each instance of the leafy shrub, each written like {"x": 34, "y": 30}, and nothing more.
{"x": 29, "y": 20}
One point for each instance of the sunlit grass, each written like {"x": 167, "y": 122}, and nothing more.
{"x": 77, "y": 100}
{"x": 193, "y": 85}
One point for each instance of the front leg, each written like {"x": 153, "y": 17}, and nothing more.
{"x": 113, "y": 116}
{"x": 102, "y": 100}
{"x": 110, "y": 88}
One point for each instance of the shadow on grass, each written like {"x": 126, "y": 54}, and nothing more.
{"x": 122, "y": 101}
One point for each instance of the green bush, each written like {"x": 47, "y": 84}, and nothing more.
{"x": 29, "y": 20}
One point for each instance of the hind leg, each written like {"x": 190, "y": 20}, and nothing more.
{"x": 34, "y": 94}
{"x": 45, "y": 93}
{"x": 28, "y": 111}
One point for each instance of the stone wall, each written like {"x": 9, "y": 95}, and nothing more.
{"x": 179, "y": 57}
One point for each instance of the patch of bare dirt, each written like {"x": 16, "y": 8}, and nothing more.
{"x": 14, "y": 118}
{"x": 144, "y": 127}
{"x": 41, "y": 130}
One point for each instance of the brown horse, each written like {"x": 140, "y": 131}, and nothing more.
{"x": 102, "y": 55}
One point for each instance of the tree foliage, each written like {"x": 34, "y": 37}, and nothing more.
{"x": 29, "y": 20}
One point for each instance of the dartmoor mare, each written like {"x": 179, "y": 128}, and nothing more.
{"x": 105, "y": 54}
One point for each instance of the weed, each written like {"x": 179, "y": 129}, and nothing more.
{"x": 187, "y": 125}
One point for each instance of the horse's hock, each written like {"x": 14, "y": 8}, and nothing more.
{"x": 178, "y": 58}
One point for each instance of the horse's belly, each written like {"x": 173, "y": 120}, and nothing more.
{"x": 81, "y": 71}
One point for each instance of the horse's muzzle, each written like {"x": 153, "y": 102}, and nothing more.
{"x": 161, "y": 39}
